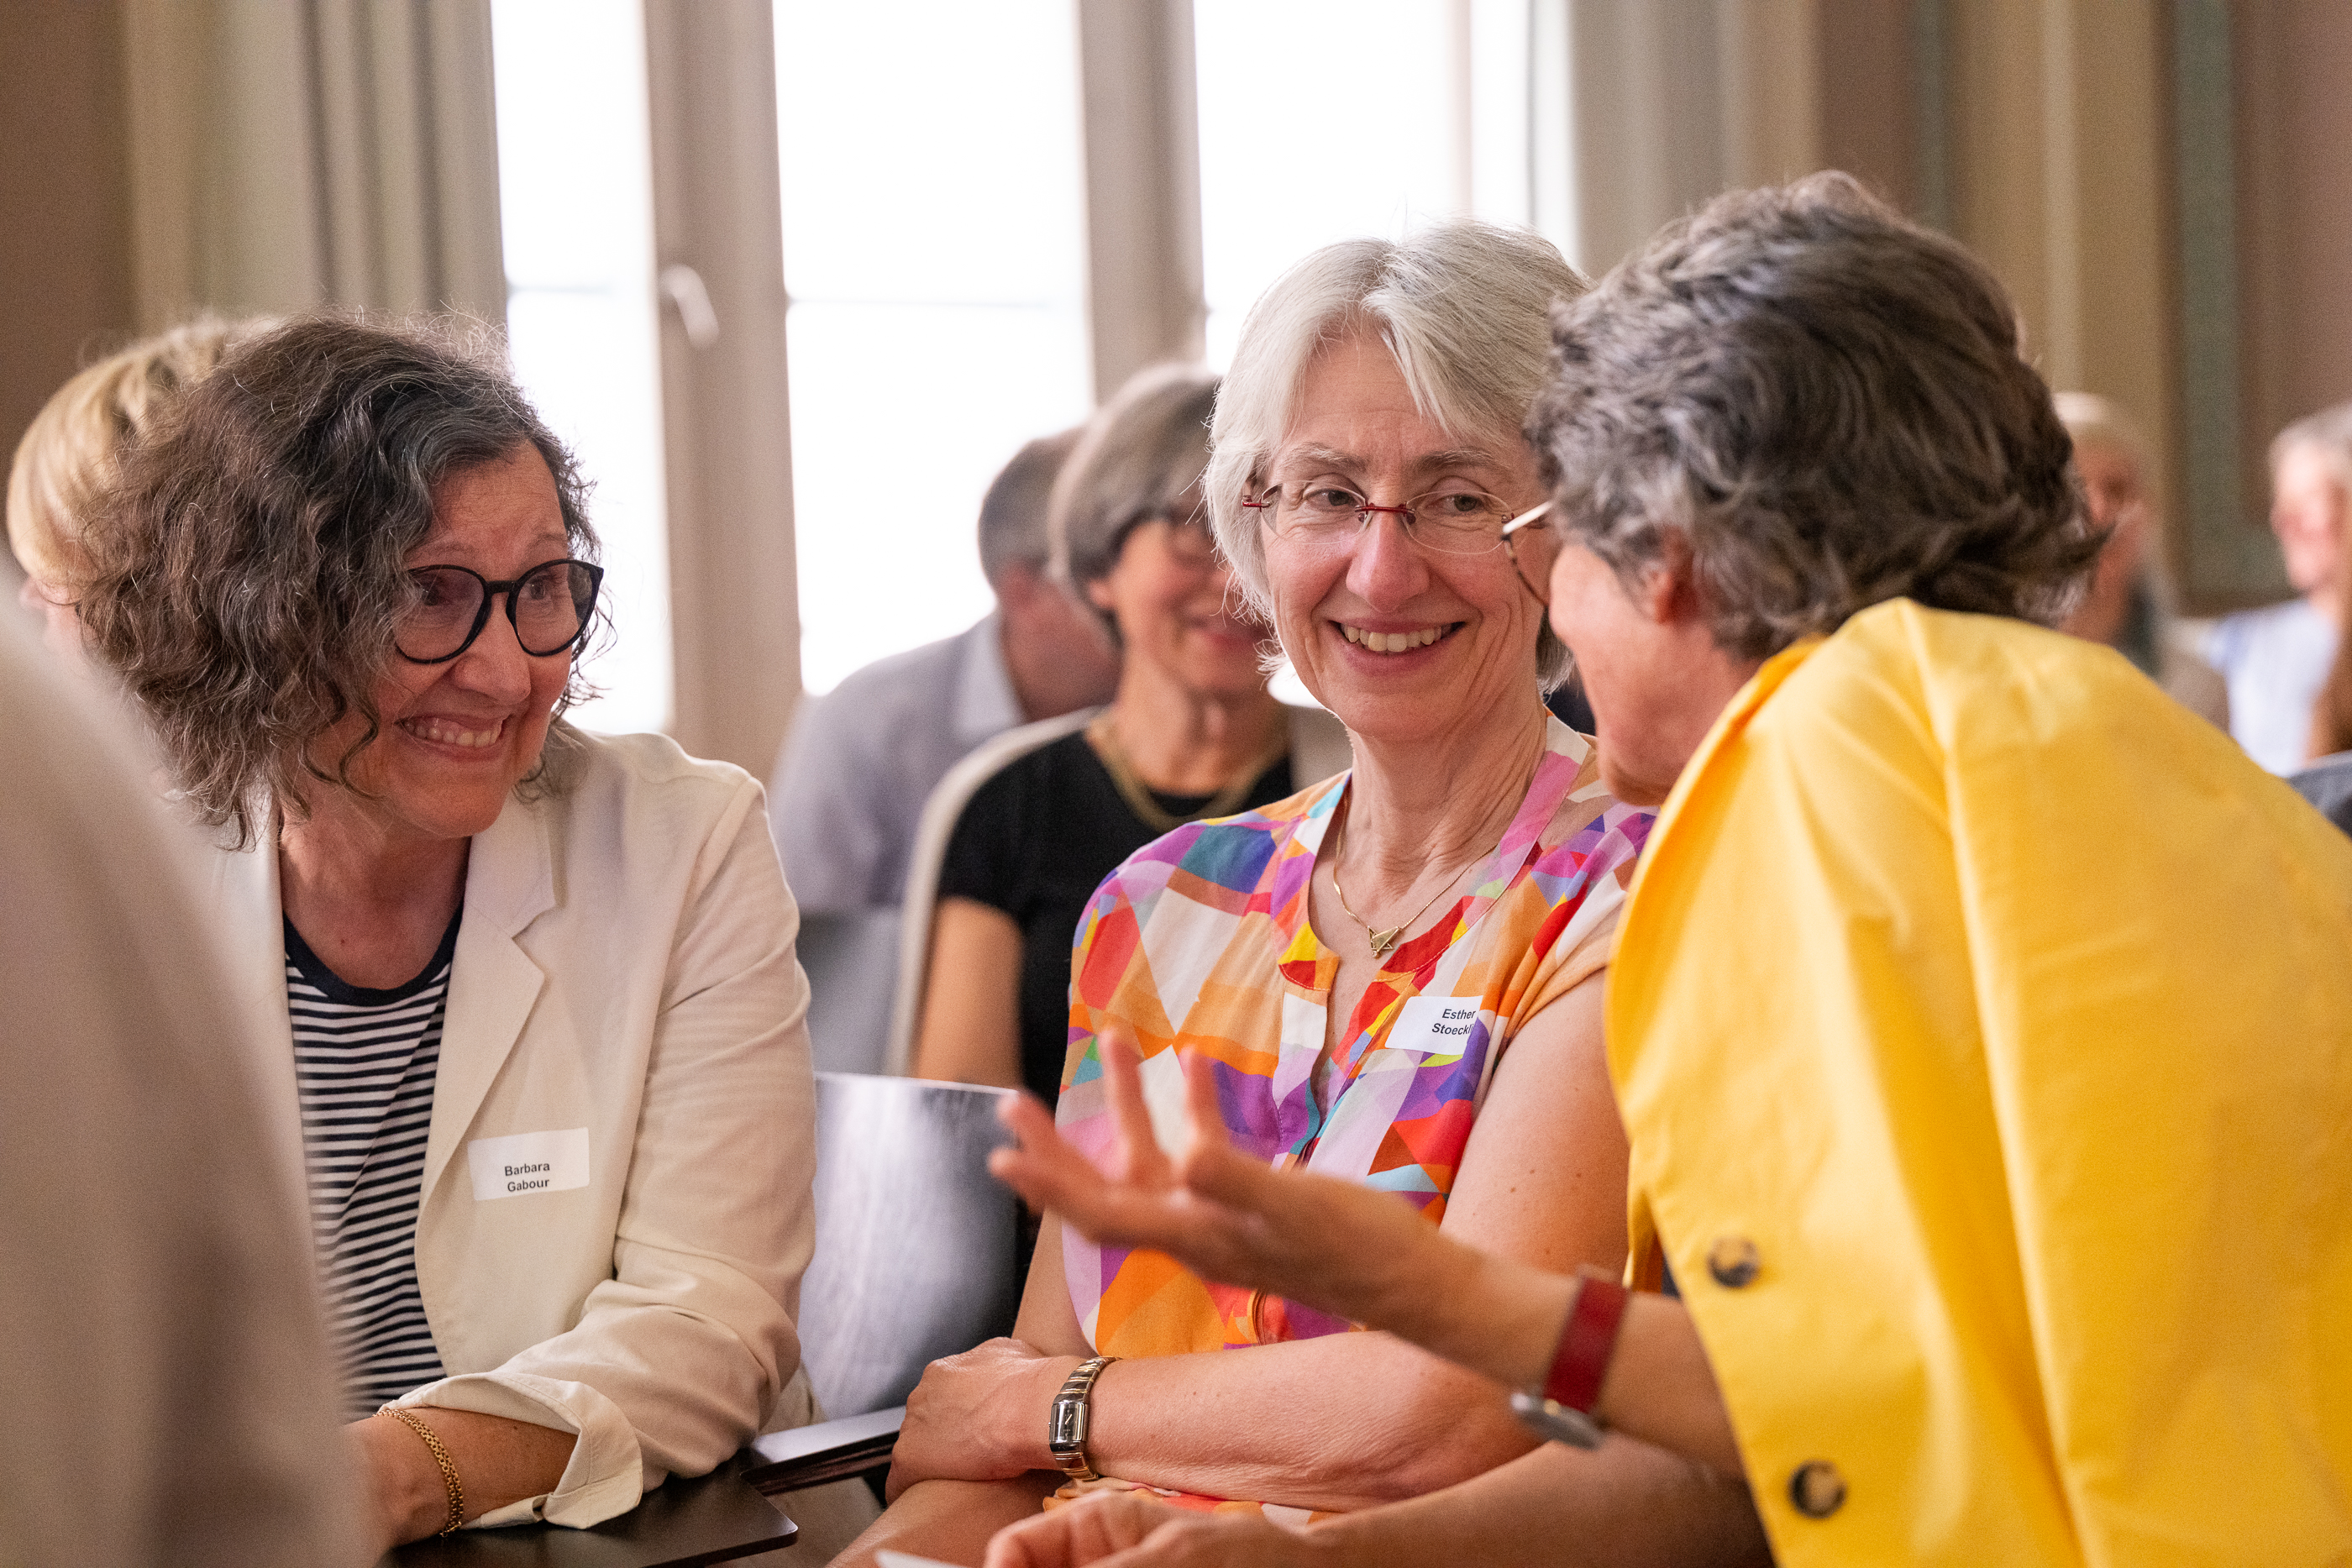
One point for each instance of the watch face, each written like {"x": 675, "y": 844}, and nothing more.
{"x": 1556, "y": 1422}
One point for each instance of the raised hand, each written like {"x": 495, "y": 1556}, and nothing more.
{"x": 1332, "y": 1244}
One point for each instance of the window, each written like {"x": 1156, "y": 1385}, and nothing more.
{"x": 575, "y": 204}
{"x": 1315, "y": 129}
{"x": 934, "y": 253}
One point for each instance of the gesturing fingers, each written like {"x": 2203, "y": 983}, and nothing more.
{"x": 1145, "y": 1163}
{"x": 1046, "y": 1168}
{"x": 1082, "y": 1532}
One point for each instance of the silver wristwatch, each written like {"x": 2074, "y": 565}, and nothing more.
{"x": 1066, "y": 1438}
{"x": 1560, "y": 1423}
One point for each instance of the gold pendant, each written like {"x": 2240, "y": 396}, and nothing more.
{"x": 1384, "y": 940}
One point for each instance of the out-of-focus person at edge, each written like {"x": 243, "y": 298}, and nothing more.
{"x": 1397, "y": 972}
{"x": 2126, "y": 603}
{"x": 168, "y": 1392}
{"x": 2276, "y": 658}
{"x": 1193, "y": 733}
{"x": 1998, "y": 1146}
{"x": 68, "y": 456}
{"x": 2328, "y": 782}
{"x": 533, "y": 992}
{"x": 861, "y": 759}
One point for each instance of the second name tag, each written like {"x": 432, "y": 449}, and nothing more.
{"x": 527, "y": 1163}
{"x": 1438, "y": 1025}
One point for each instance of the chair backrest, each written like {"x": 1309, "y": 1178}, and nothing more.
{"x": 941, "y": 810}
{"x": 1318, "y": 748}
{"x": 852, "y": 960}
{"x": 2328, "y": 784}
{"x": 918, "y": 1247}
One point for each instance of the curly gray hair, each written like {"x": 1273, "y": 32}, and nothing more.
{"x": 1462, "y": 305}
{"x": 249, "y": 567}
{"x": 1827, "y": 402}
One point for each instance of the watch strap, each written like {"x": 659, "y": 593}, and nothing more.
{"x": 1065, "y": 1434}
{"x": 1561, "y": 1409}
{"x": 1587, "y": 1342}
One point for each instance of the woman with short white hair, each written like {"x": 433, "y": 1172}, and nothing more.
{"x": 1395, "y": 974}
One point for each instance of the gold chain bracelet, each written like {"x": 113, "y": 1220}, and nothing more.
{"x": 441, "y": 1458}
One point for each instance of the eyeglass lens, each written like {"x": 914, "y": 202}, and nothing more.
{"x": 1458, "y": 522}
{"x": 549, "y": 606}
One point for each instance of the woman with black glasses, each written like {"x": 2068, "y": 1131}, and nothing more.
{"x": 535, "y": 994}
{"x": 1191, "y": 735}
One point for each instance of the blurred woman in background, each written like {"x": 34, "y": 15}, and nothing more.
{"x": 2125, "y": 604}
{"x": 1191, "y": 734}
{"x": 69, "y": 454}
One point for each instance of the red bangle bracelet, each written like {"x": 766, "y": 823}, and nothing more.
{"x": 1587, "y": 1342}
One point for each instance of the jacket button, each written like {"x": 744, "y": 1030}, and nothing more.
{"x": 1816, "y": 1489}
{"x": 1733, "y": 1261}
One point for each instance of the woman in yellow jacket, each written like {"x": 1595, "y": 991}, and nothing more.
{"x": 1981, "y": 1020}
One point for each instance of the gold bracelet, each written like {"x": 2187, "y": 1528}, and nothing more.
{"x": 441, "y": 1458}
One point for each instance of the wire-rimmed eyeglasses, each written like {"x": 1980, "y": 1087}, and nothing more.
{"x": 1449, "y": 522}
{"x": 549, "y": 606}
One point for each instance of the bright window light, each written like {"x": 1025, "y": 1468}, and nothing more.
{"x": 934, "y": 253}
{"x": 1313, "y": 131}
{"x": 1414, "y": 110}
{"x": 575, "y": 199}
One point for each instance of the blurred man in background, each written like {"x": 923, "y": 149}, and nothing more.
{"x": 849, "y": 787}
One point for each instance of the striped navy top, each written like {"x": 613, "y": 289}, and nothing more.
{"x": 363, "y": 1061}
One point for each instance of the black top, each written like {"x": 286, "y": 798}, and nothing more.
{"x": 1035, "y": 841}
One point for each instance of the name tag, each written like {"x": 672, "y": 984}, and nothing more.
{"x": 1438, "y": 1025}
{"x": 527, "y": 1162}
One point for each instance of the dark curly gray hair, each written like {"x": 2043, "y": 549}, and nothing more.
{"x": 1828, "y": 402}
{"x": 253, "y": 563}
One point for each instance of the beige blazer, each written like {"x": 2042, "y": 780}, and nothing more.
{"x": 623, "y": 966}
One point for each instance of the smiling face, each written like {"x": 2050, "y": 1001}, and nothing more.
{"x": 456, "y": 738}
{"x": 1176, "y": 613}
{"x": 1401, "y": 642}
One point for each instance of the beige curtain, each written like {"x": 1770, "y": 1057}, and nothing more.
{"x": 294, "y": 152}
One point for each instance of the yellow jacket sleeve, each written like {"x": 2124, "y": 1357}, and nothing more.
{"x": 1982, "y": 1022}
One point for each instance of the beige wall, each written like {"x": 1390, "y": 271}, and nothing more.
{"x": 1867, "y": 114}
{"x": 2060, "y": 178}
{"x": 2292, "y": 87}
{"x": 160, "y": 157}
{"x": 65, "y": 253}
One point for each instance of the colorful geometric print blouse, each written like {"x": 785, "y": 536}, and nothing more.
{"x": 1200, "y": 940}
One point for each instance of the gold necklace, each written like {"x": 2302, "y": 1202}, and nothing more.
{"x": 1149, "y": 811}
{"x": 1383, "y": 940}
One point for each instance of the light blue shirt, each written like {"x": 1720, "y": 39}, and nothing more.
{"x": 861, "y": 760}
{"x": 2274, "y": 660}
